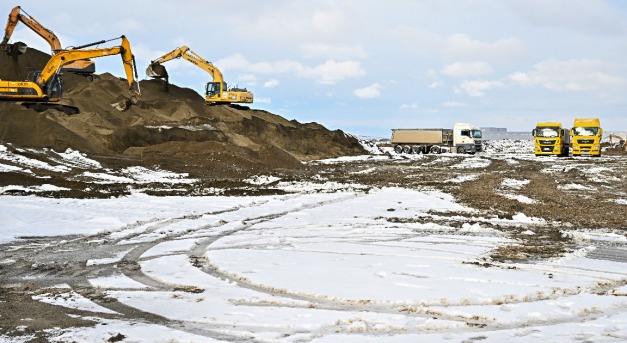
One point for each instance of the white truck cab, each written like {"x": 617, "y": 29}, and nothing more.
{"x": 467, "y": 138}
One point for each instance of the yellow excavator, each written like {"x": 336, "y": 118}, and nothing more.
{"x": 44, "y": 88}
{"x": 216, "y": 92}
{"x": 81, "y": 67}
{"x": 621, "y": 141}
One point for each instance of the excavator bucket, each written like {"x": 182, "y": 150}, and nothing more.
{"x": 124, "y": 104}
{"x": 16, "y": 49}
{"x": 156, "y": 70}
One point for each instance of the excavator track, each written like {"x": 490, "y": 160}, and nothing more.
{"x": 44, "y": 106}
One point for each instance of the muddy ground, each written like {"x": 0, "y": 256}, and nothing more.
{"x": 480, "y": 185}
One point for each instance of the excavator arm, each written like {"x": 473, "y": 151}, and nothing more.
{"x": 17, "y": 15}
{"x": 216, "y": 91}
{"x": 80, "y": 67}
{"x": 187, "y": 54}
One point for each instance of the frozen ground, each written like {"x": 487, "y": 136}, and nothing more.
{"x": 324, "y": 259}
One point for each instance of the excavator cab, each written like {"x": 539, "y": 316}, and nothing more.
{"x": 213, "y": 89}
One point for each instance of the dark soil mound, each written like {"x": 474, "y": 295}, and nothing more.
{"x": 172, "y": 128}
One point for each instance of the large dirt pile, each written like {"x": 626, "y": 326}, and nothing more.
{"x": 173, "y": 129}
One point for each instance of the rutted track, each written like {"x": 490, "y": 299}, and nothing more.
{"x": 133, "y": 250}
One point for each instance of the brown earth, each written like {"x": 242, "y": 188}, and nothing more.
{"x": 171, "y": 129}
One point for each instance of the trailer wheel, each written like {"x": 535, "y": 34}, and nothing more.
{"x": 461, "y": 150}
{"x": 398, "y": 149}
{"x": 407, "y": 149}
{"x": 416, "y": 149}
{"x": 436, "y": 150}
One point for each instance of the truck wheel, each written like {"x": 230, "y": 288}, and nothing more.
{"x": 436, "y": 149}
{"x": 407, "y": 149}
{"x": 461, "y": 150}
{"x": 398, "y": 149}
{"x": 416, "y": 149}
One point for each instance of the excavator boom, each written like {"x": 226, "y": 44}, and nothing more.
{"x": 216, "y": 91}
{"x": 16, "y": 16}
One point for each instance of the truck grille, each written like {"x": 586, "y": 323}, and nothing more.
{"x": 545, "y": 141}
{"x": 546, "y": 148}
{"x": 585, "y": 141}
{"x": 478, "y": 146}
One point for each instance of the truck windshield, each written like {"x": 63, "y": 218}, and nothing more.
{"x": 475, "y": 133}
{"x": 547, "y": 131}
{"x": 585, "y": 131}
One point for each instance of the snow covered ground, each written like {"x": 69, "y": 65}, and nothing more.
{"x": 324, "y": 263}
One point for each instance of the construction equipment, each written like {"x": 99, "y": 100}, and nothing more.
{"x": 81, "y": 67}
{"x": 551, "y": 139}
{"x": 45, "y": 87}
{"x": 586, "y": 136}
{"x": 216, "y": 92}
{"x": 463, "y": 138}
{"x": 621, "y": 140}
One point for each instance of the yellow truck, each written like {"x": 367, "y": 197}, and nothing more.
{"x": 551, "y": 139}
{"x": 586, "y": 136}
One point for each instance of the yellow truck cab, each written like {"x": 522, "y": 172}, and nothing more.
{"x": 551, "y": 139}
{"x": 586, "y": 136}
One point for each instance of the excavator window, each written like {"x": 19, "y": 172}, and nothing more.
{"x": 213, "y": 88}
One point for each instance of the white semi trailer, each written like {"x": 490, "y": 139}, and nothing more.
{"x": 463, "y": 138}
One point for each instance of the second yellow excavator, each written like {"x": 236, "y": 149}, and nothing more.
{"x": 80, "y": 67}
{"x": 216, "y": 92}
{"x": 44, "y": 88}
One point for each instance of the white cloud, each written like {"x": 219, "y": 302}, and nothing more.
{"x": 462, "y": 46}
{"x": 478, "y": 87}
{"x": 570, "y": 75}
{"x": 587, "y": 16}
{"x": 372, "y": 91}
{"x": 247, "y": 78}
{"x": 271, "y": 83}
{"x": 129, "y": 25}
{"x": 409, "y": 106}
{"x": 454, "y": 104}
{"x": 333, "y": 51}
{"x": 235, "y": 61}
{"x": 263, "y": 100}
{"x": 290, "y": 22}
{"x": 466, "y": 69}
{"x": 329, "y": 72}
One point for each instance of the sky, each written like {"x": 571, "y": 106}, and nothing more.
{"x": 367, "y": 67}
{"x": 324, "y": 262}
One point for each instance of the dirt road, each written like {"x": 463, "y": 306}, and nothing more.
{"x": 566, "y": 193}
